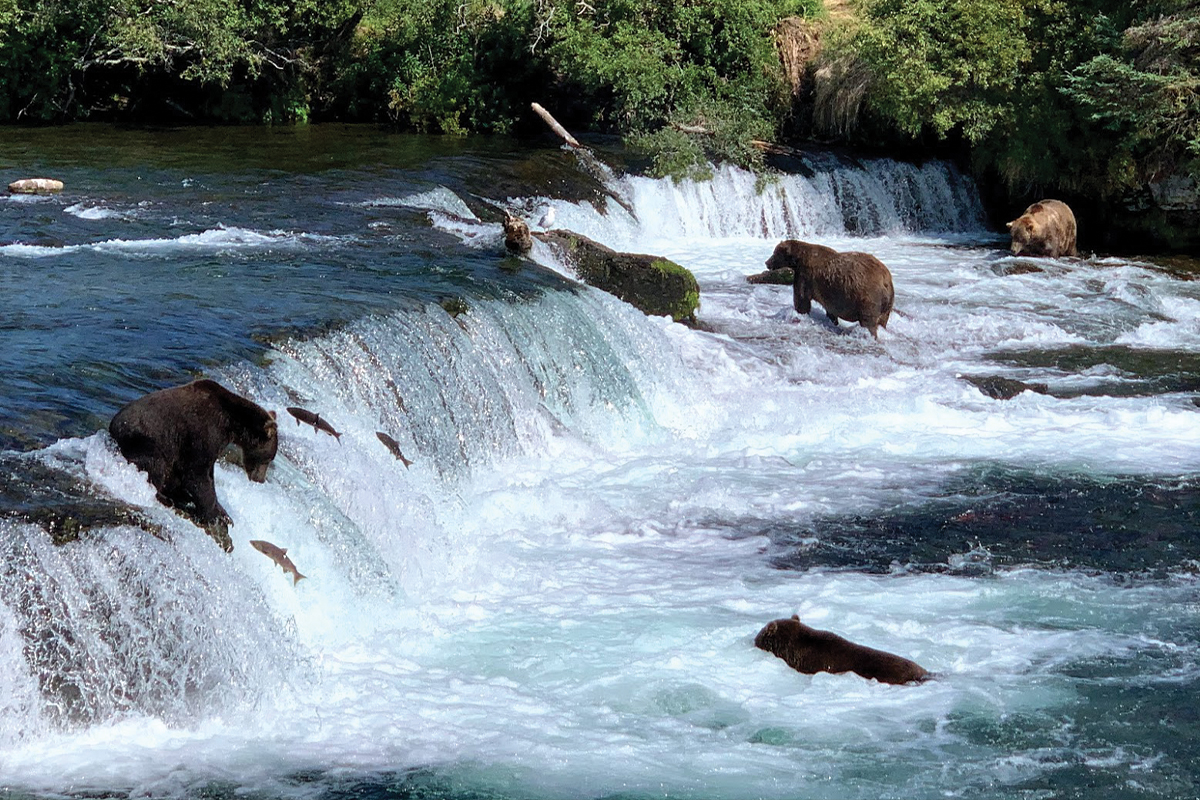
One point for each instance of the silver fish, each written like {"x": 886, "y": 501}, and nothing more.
{"x": 314, "y": 419}
{"x": 394, "y": 446}
{"x": 279, "y": 556}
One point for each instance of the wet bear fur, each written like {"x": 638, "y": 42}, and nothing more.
{"x": 810, "y": 651}
{"x": 176, "y": 436}
{"x": 1047, "y": 228}
{"x": 856, "y": 287}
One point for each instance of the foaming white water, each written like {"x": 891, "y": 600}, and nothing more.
{"x": 221, "y": 238}
{"x": 93, "y": 212}
{"x": 559, "y": 596}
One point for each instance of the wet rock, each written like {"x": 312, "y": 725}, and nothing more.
{"x": 1018, "y": 267}
{"x": 779, "y": 277}
{"x": 999, "y": 388}
{"x": 62, "y": 505}
{"x": 656, "y": 286}
{"x": 454, "y": 306}
{"x": 35, "y": 186}
{"x": 1177, "y": 192}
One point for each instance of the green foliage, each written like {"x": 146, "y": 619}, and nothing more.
{"x": 1087, "y": 95}
{"x": 945, "y": 64}
{"x": 1148, "y": 96}
{"x": 450, "y": 67}
{"x": 62, "y": 59}
{"x": 688, "y": 80}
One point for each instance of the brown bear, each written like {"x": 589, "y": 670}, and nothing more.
{"x": 809, "y": 650}
{"x": 1047, "y": 228}
{"x": 176, "y": 436}
{"x": 856, "y": 287}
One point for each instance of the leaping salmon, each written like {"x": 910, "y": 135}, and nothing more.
{"x": 279, "y": 556}
{"x": 304, "y": 415}
{"x": 394, "y": 446}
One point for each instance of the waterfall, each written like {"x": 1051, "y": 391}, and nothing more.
{"x": 830, "y": 196}
{"x": 122, "y": 623}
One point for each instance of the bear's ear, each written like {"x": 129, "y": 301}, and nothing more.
{"x": 796, "y": 617}
{"x": 1009, "y": 224}
{"x": 271, "y": 414}
{"x": 271, "y": 427}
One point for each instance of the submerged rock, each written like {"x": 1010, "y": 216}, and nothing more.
{"x": 656, "y": 286}
{"x": 999, "y": 388}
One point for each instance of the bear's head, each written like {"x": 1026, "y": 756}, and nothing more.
{"x": 779, "y": 634}
{"x": 779, "y": 259}
{"x": 794, "y": 254}
{"x": 259, "y": 448}
{"x": 1026, "y": 232}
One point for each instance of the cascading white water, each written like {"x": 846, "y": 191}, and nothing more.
{"x": 458, "y": 396}
{"x": 869, "y": 198}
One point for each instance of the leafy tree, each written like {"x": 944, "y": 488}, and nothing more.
{"x": 687, "y": 79}
{"x": 61, "y": 59}
{"x": 945, "y": 64}
{"x": 1047, "y": 93}
{"x": 1148, "y": 94}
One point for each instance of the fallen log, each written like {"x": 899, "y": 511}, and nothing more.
{"x": 587, "y": 159}
{"x": 554, "y": 126}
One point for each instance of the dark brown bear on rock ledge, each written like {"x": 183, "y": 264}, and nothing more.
{"x": 810, "y": 651}
{"x": 856, "y": 287}
{"x": 1047, "y": 228}
{"x": 176, "y": 436}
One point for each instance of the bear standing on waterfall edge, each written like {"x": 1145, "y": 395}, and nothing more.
{"x": 1047, "y": 228}
{"x": 810, "y": 651}
{"x": 176, "y": 436}
{"x": 856, "y": 287}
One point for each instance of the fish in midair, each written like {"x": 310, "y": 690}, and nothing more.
{"x": 279, "y": 556}
{"x": 304, "y": 415}
{"x": 394, "y": 446}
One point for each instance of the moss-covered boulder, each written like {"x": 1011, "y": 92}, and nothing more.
{"x": 655, "y": 285}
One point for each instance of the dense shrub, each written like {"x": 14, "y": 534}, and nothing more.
{"x": 648, "y": 69}
{"x": 689, "y": 80}
{"x": 66, "y": 59}
{"x": 1087, "y": 96}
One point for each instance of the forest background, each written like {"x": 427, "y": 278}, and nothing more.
{"x": 1093, "y": 101}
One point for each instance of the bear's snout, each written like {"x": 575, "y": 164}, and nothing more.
{"x": 258, "y": 472}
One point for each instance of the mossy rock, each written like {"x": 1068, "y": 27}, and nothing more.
{"x": 454, "y": 306}
{"x": 779, "y": 277}
{"x": 656, "y": 286}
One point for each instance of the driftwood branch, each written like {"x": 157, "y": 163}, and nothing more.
{"x": 587, "y": 159}
{"x": 554, "y": 126}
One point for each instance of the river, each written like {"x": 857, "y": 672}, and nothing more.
{"x": 559, "y": 597}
